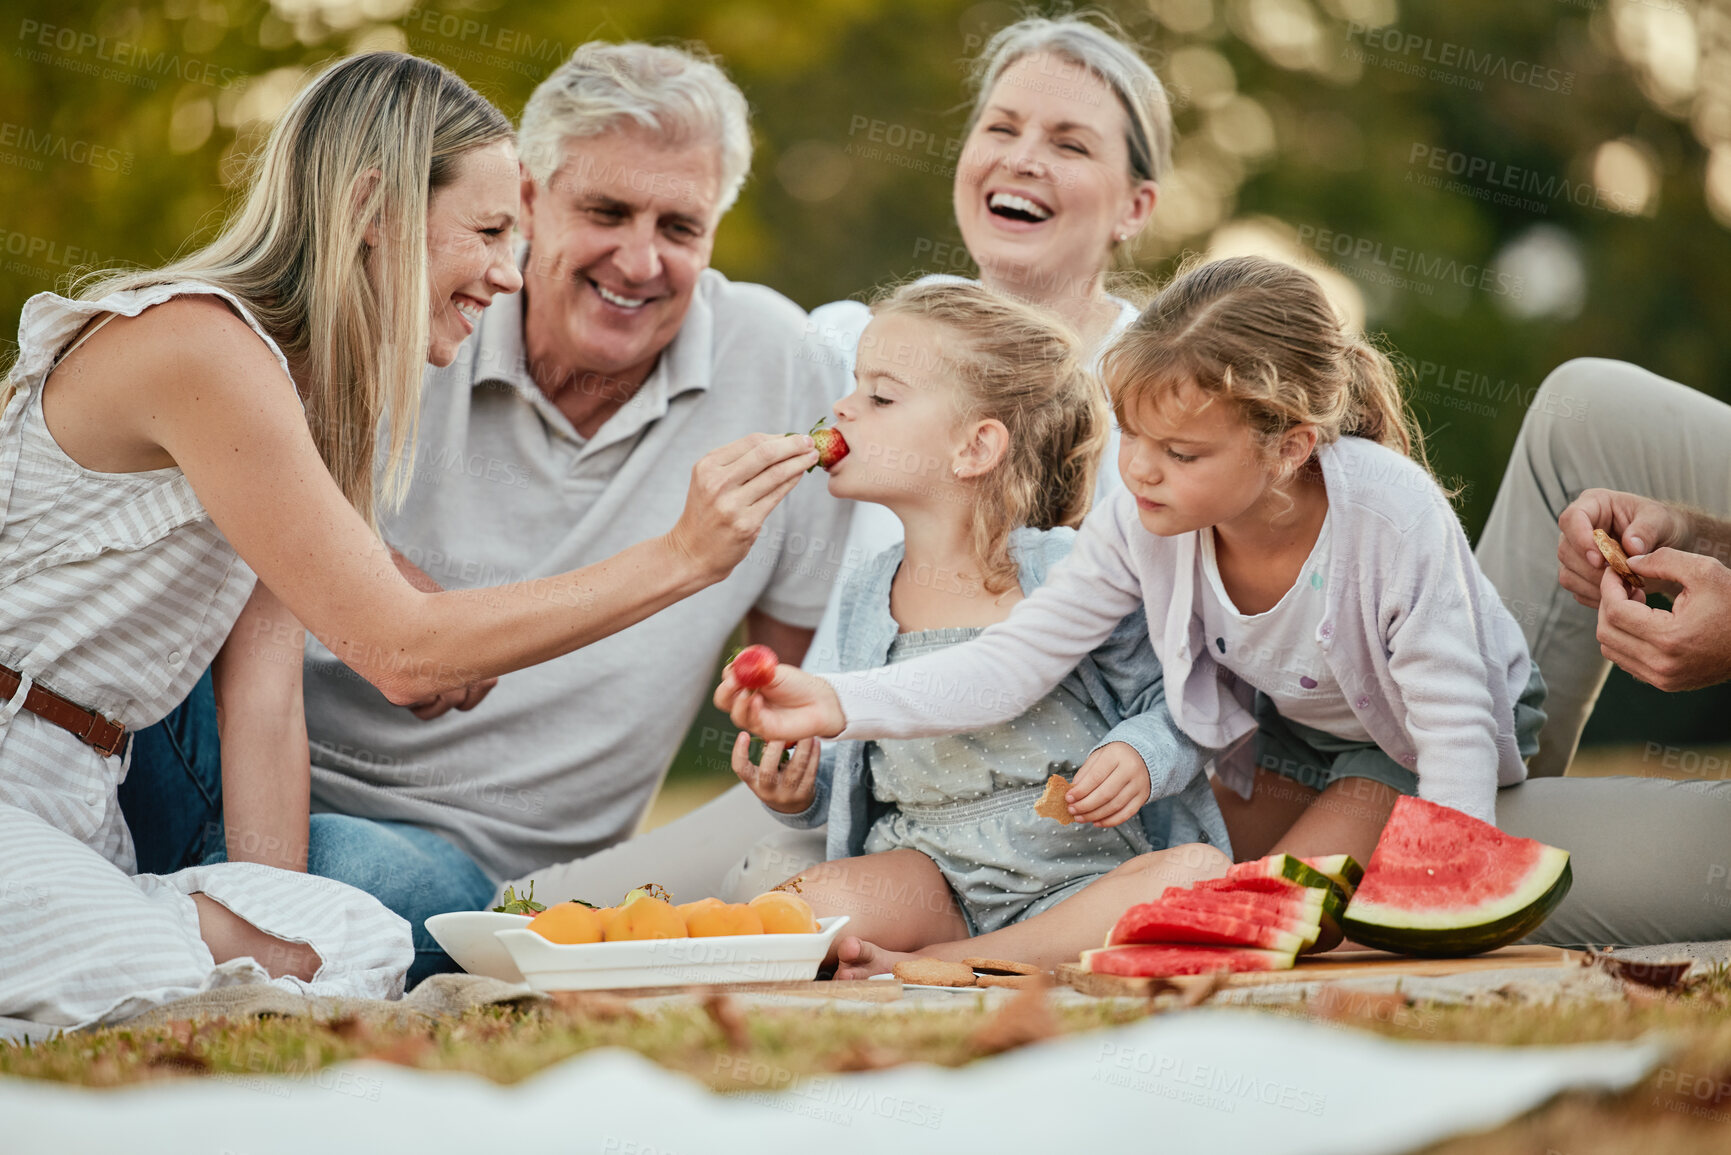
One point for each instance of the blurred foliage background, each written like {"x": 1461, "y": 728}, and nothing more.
{"x": 1496, "y": 187}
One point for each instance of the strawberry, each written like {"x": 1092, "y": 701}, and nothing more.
{"x": 831, "y": 445}
{"x": 755, "y": 667}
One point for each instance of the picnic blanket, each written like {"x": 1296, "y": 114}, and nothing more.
{"x": 1210, "y": 1080}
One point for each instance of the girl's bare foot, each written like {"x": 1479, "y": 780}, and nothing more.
{"x": 856, "y": 958}
{"x": 230, "y": 936}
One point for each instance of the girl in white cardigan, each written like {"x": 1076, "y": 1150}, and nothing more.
{"x": 1310, "y": 594}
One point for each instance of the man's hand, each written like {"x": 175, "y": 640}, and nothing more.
{"x": 733, "y": 490}
{"x": 1111, "y": 786}
{"x": 1685, "y": 649}
{"x": 785, "y": 787}
{"x": 462, "y": 698}
{"x": 1640, "y": 525}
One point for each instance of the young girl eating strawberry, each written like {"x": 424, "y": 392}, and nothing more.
{"x": 1308, "y": 589}
{"x": 977, "y": 422}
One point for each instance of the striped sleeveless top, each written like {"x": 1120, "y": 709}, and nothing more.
{"x": 116, "y": 589}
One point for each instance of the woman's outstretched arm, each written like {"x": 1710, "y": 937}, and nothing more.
{"x": 203, "y": 386}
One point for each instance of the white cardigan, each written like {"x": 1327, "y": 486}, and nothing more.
{"x": 1414, "y": 633}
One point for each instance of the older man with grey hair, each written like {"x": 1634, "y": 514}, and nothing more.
{"x": 566, "y": 430}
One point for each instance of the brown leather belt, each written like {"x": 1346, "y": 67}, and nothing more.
{"x": 89, "y": 727}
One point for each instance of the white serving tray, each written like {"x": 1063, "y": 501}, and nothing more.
{"x": 666, "y": 962}
{"x": 467, "y": 936}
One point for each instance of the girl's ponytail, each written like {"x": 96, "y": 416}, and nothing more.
{"x": 1074, "y": 437}
{"x": 1377, "y": 409}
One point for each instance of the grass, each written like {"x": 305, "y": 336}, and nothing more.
{"x": 507, "y": 1044}
{"x": 1684, "y": 1106}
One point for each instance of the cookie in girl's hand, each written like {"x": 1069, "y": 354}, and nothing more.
{"x": 1052, "y": 804}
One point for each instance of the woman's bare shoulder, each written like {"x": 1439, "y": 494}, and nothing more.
{"x": 136, "y": 387}
{"x": 187, "y": 337}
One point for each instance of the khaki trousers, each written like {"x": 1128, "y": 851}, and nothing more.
{"x": 1651, "y": 857}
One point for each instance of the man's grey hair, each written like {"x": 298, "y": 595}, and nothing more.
{"x": 680, "y": 94}
{"x": 1102, "y": 49}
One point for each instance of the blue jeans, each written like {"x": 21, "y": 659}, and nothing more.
{"x": 172, "y": 801}
{"x": 172, "y": 796}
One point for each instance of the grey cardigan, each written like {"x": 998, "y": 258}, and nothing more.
{"x": 1121, "y": 678}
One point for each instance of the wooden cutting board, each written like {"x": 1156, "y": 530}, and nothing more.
{"x": 1331, "y": 967}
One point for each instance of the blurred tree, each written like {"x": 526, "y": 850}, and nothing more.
{"x": 1494, "y": 187}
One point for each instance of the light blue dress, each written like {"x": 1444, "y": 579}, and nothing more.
{"x": 967, "y": 800}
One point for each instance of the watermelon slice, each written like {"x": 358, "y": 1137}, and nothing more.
{"x": 1266, "y": 909}
{"x": 1287, "y": 867}
{"x": 1333, "y": 902}
{"x": 1341, "y": 869}
{"x": 1160, "y": 961}
{"x": 1208, "y": 906}
{"x": 1150, "y": 922}
{"x": 1297, "y": 901}
{"x": 1444, "y": 884}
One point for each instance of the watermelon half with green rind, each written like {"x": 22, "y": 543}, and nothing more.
{"x": 1443, "y": 884}
{"x": 1162, "y": 960}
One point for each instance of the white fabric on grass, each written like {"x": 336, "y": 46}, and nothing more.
{"x": 1210, "y": 1081}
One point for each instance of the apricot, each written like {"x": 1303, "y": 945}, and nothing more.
{"x": 784, "y": 912}
{"x": 644, "y": 918}
{"x": 687, "y": 909}
{"x": 724, "y": 918}
{"x": 568, "y": 922}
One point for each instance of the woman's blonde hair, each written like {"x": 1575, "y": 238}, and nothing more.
{"x": 364, "y": 145}
{"x": 1021, "y": 366}
{"x": 1262, "y": 335}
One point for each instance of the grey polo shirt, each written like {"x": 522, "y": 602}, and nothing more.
{"x": 562, "y": 759}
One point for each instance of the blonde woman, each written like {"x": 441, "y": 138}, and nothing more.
{"x": 171, "y": 434}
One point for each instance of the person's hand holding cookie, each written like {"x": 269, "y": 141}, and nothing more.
{"x": 1637, "y": 524}
{"x": 1685, "y": 649}
{"x": 1111, "y": 786}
